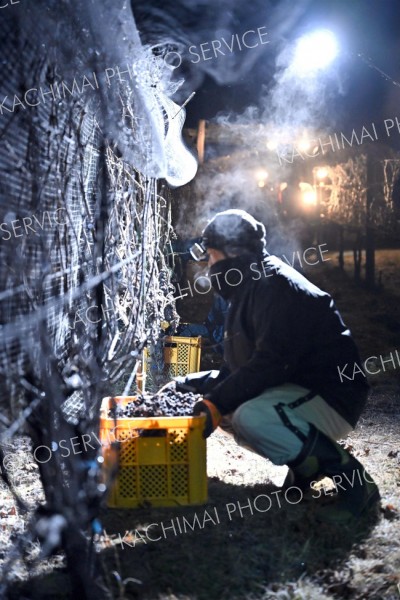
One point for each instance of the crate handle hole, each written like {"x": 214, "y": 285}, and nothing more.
{"x": 156, "y": 433}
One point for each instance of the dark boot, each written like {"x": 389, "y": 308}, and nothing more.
{"x": 303, "y": 477}
{"x": 322, "y": 457}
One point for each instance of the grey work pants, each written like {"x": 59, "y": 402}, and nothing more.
{"x": 275, "y": 424}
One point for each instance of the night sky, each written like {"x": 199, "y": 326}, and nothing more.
{"x": 370, "y": 27}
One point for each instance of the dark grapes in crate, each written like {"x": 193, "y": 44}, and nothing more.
{"x": 169, "y": 403}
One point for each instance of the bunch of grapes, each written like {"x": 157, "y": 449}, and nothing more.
{"x": 169, "y": 403}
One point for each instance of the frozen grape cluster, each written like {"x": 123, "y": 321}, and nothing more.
{"x": 168, "y": 403}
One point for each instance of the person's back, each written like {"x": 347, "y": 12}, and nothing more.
{"x": 277, "y": 307}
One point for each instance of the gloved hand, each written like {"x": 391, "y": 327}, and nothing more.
{"x": 171, "y": 385}
{"x": 177, "y": 385}
{"x": 213, "y": 416}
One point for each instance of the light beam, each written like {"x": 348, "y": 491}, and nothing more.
{"x": 315, "y": 51}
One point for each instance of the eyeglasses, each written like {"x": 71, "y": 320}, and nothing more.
{"x": 198, "y": 251}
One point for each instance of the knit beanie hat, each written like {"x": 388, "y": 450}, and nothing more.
{"x": 234, "y": 232}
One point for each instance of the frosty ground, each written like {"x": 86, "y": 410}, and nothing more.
{"x": 246, "y": 553}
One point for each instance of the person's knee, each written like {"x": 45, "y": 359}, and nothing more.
{"x": 242, "y": 420}
{"x": 255, "y": 429}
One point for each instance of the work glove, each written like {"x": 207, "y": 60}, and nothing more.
{"x": 213, "y": 416}
{"x": 176, "y": 386}
{"x": 171, "y": 385}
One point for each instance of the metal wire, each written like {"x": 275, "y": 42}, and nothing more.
{"x": 80, "y": 298}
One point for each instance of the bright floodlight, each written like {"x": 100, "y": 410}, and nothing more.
{"x": 322, "y": 172}
{"x": 315, "y": 51}
{"x": 309, "y": 197}
{"x": 261, "y": 174}
{"x": 308, "y": 193}
{"x": 272, "y": 145}
{"x": 303, "y": 145}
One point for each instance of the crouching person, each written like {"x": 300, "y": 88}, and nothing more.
{"x": 280, "y": 393}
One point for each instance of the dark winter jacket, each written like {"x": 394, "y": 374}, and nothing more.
{"x": 281, "y": 328}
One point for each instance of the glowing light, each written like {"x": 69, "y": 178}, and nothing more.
{"x": 315, "y": 51}
{"x": 308, "y": 194}
{"x": 322, "y": 173}
{"x": 261, "y": 175}
{"x": 303, "y": 145}
{"x": 309, "y": 197}
{"x": 272, "y": 145}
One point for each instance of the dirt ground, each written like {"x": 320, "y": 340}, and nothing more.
{"x": 236, "y": 548}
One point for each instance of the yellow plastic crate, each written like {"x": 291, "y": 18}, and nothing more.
{"x": 182, "y": 355}
{"x": 162, "y": 460}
